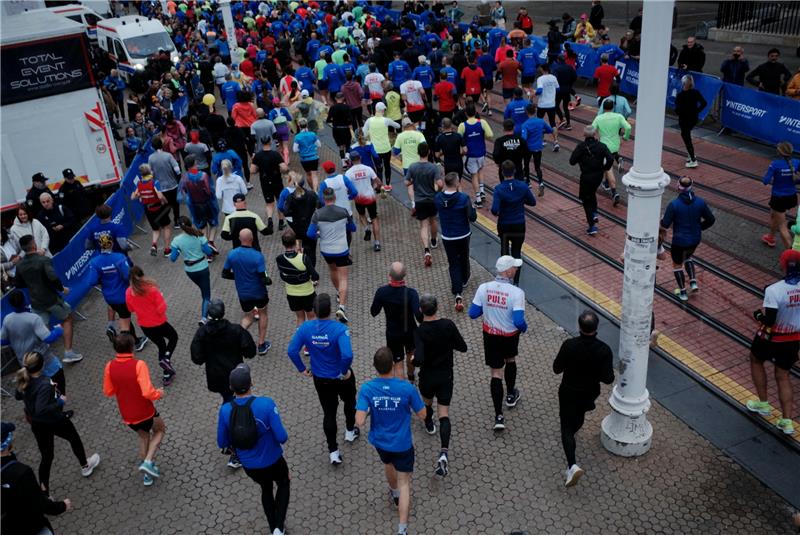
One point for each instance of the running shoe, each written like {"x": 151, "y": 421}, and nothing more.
{"x": 335, "y": 457}
{"x": 616, "y": 200}
{"x": 71, "y": 357}
{"x": 769, "y": 239}
{"x": 562, "y": 124}
{"x": 264, "y": 347}
{"x": 234, "y": 462}
{"x": 761, "y": 407}
{"x": 591, "y": 231}
{"x": 568, "y": 127}
{"x": 541, "y": 189}
{"x": 577, "y": 100}
{"x": 499, "y": 423}
{"x": 341, "y": 315}
{"x": 428, "y": 260}
{"x": 513, "y": 398}
{"x": 441, "y": 465}
{"x": 387, "y": 187}
{"x": 692, "y": 164}
{"x": 91, "y": 464}
{"x": 167, "y": 379}
{"x": 595, "y": 217}
{"x": 394, "y": 499}
{"x": 367, "y": 235}
{"x": 459, "y": 304}
{"x": 682, "y": 295}
{"x": 153, "y": 250}
{"x": 376, "y": 247}
{"x": 111, "y": 332}
{"x": 281, "y": 224}
{"x": 785, "y": 425}
{"x": 465, "y": 282}
{"x": 249, "y": 186}
{"x": 167, "y": 251}
{"x": 351, "y": 436}
{"x": 434, "y": 242}
{"x": 556, "y": 147}
{"x": 147, "y": 480}
{"x": 482, "y": 193}
{"x": 167, "y": 366}
{"x": 478, "y": 202}
{"x": 620, "y": 166}
{"x": 149, "y": 467}
{"x": 141, "y": 342}
{"x": 256, "y": 316}
{"x": 573, "y": 475}
{"x": 485, "y": 107}
{"x": 270, "y": 228}
{"x": 430, "y": 428}
{"x": 605, "y": 186}
{"x": 693, "y": 286}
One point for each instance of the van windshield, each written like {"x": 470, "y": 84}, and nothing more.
{"x": 143, "y": 46}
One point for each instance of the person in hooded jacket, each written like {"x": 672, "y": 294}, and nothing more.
{"x": 594, "y": 159}
{"x": 689, "y": 216}
{"x": 221, "y": 346}
{"x": 508, "y": 204}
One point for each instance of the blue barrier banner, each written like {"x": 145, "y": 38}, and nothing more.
{"x": 709, "y": 87}
{"x": 629, "y": 76}
{"x": 764, "y": 116}
{"x": 588, "y": 60}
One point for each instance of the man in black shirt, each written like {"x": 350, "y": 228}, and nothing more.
{"x": 58, "y": 220}
{"x": 594, "y": 159}
{"x": 434, "y": 342}
{"x": 585, "y": 362}
{"x": 300, "y": 207}
{"x": 509, "y": 147}
{"x": 270, "y": 166}
{"x": 72, "y": 195}
{"x": 340, "y": 119}
{"x": 38, "y": 186}
{"x": 450, "y": 149}
{"x": 772, "y": 76}
{"x": 401, "y": 305}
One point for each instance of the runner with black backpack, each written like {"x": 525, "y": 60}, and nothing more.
{"x": 252, "y": 427}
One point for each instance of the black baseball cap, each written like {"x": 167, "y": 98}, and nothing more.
{"x": 239, "y": 380}
{"x": 38, "y": 177}
{"x": 68, "y": 173}
{"x": 239, "y": 197}
{"x": 216, "y": 309}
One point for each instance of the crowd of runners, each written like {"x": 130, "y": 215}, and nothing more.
{"x": 409, "y": 96}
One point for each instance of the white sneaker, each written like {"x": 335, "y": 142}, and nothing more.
{"x": 71, "y": 357}
{"x": 351, "y": 436}
{"x": 573, "y": 475}
{"x": 91, "y": 464}
{"x": 278, "y": 532}
{"x": 336, "y": 458}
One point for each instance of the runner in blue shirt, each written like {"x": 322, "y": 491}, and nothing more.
{"x": 532, "y": 132}
{"x": 515, "y": 110}
{"x": 305, "y": 76}
{"x": 487, "y": 65}
{"x": 230, "y": 89}
{"x": 307, "y": 144}
{"x": 424, "y": 75}
{"x": 312, "y": 48}
{"x": 245, "y": 266}
{"x": 528, "y": 58}
{"x": 334, "y": 75}
{"x": 346, "y": 67}
{"x": 399, "y": 71}
{"x": 452, "y": 74}
{"x": 363, "y": 69}
{"x": 104, "y": 226}
{"x": 390, "y": 402}
{"x": 330, "y": 356}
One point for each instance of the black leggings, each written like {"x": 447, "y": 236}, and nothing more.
{"x": 164, "y": 337}
{"x": 172, "y": 200}
{"x": 275, "y": 506}
{"x": 330, "y": 391}
{"x": 562, "y": 106}
{"x": 458, "y": 263}
{"x": 572, "y": 412}
{"x": 686, "y": 135}
{"x": 386, "y": 165}
{"x": 511, "y": 239}
{"x": 587, "y": 192}
{"x": 537, "y": 164}
{"x": 45, "y": 434}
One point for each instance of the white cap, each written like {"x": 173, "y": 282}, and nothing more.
{"x": 304, "y": 93}
{"x": 380, "y": 106}
{"x": 406, "y": 122}
{"x": 422, "y": 60}
{"x": 504, "y": 263}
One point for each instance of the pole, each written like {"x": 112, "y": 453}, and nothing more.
{"x": 626, "y": 431}
{"x": 230, "y": 30}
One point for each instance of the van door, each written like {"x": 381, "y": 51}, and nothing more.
{"x": 91, "y": 20}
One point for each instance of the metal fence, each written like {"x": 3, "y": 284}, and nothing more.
{"x": 781, "y": 18}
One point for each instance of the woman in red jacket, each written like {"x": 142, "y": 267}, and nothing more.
{"x": 145, "y": 300}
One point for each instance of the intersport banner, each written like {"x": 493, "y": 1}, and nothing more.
{"x": 760, "y": 115}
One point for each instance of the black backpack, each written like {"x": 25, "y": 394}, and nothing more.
{"x": 242, "y": 426}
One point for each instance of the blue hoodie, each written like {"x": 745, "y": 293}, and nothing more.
{"x": 455, "y": 214}
{"x": 328, "y": 344}
{"x": 689, "y": 216}
{"x": 111, "y": 270}
{"x": 271, "y": 433}
{"x": 781, "y": 175}
{"x": 510, "y": 198}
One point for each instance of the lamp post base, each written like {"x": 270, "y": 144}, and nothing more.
{"x": 626, "y": 436}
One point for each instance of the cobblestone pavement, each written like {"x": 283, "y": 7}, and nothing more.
{"x": 497, "y": 484}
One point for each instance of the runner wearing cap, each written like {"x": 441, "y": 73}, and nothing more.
{"x": 331, "y": 224}
{"x": 424, "y": 75}
{"x": 376, "y": 128}
{"x": 263, "y": 462}
{"x": 307, "y": 144}
{"x": 511, "y": 196}
{"x": 502, "y": 306}
{"x": 366, "y": 182}
{"x": 434, "y": 342}
{"x": 330, "y": 356}
{"x": 422, "y": 182}
{"x": 245, "y": 266}
{"x": 778, "y": 339}
{"x": 128, "y": 379}
{"x": 342, "y": 187}
{"x": 390, "y": 402}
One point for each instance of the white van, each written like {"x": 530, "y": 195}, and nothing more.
{"x": 80, "y": 14}
{"x": 132, "y": 39}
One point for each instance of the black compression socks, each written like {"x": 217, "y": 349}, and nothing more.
{"x": 680, "y": 278}
{"x": 428, "y": 414}
{"x": 497, "y": 395}
{"x": 511, "y": 376}
{"x": 444, "y": 432}
{"x": 689, "y": 266}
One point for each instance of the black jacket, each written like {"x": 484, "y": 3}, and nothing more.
{"x": 509, "y": 147}
{"x": 694, "y": 58}
{"x": 23, "y": 502}
{"x": 585, "y": 362}
{"x": 221, "y": 346}
{"x": 688, "y": 105}
{"x": 593, "y": 157}
{"x": 73, "y": 196}
{"x": 58, "y": 215}
{"x": 41, "y": 399}
{"x": 301, "y": 209}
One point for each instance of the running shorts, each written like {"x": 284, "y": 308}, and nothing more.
{"x": 370, "y": 209}
{"x": 551, "y": 115}
{"x": 303, "y": 303}
{"x": 425, "y": 210}
{"x": 121, "y": 309}
{"x": 341, "y": 136}
{"x": 487, "y": 83}
{"x": 473, "y": 164}
{"x": 271, "y": 189}
{"x": 310, "y": 165}
{"x": 282, "y": 132}
{"x": 145, "y": 425}
{"x": 782, "y": 354}
{"x": 403, "y": 461}
{"x": 681, "y": 254}
{"x": 322, "y": 85}
{"x": 436, "y": 385}
{"x": 508, "y": 92}
{"x": 528, "y": 80}
{"x": 499, "y": 348}
{"x": 338, "y": 260}
{"x": 248, "y": 305}
{"x": 416, "y": 116}
{"x": 158, "y": 219}
{"x": 782, "y": 203}
{"x": 400, "y": 345}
